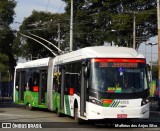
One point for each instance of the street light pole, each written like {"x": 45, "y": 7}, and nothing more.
{"x": 158, "y": 17}
{"x": 134, "y": 31}
{"x": 71, "y": 27}
{"x": 151, "y": 44}
{"x": 151, "y": 62}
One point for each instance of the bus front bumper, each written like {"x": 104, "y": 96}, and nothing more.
{"x": 99, "y": 112}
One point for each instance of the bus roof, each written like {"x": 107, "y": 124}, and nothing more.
{"x": 88, "y": 52}
{"x": 98, "y": 52}
{"x": 35, "y": 63}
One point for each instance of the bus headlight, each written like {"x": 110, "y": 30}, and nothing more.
{"x": 95, "y": 101}
{"x": 145, "y": 101}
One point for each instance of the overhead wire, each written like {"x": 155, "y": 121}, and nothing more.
{"x": 60, "y": 7}
{"x": 47, "y": 5}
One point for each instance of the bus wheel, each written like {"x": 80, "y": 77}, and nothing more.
{"x": 76, "y": 114}
{"x": 59, "y": 113}
{"x": 29, "y": 107}
{"x": 76, "y": 118}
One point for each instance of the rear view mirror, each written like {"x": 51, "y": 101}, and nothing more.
{"x": 149, "y": 72}
{"x": 86, "y": 72}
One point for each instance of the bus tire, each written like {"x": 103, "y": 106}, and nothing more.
{"x": 59, "y": 113}
{"x": 76, "y": 118}
{"x": 29, "y": 107}
{"x": 76, "y": 114}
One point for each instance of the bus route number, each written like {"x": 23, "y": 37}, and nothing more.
{"x": 124, "y": 102}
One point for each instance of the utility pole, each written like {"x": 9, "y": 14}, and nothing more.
{"x": 59, "y": 35}
{"x": 71, "y": 27}
{"x": 134, "y": 31}
{"x": 158, "y": 20}
{"x": 0, "y": 88}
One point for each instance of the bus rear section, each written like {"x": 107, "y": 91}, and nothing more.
{"x": 115, "y": 88}
{"x": 30, "y": 83}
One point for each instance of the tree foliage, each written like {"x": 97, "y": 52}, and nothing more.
{"x": 95, "y": 20}
{"x": 155, "y": 72}
{"x": 6, "y": 33}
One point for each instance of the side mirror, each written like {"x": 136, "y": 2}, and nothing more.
{"x": 149, "y": 72}
{"x": 86, "y": 71}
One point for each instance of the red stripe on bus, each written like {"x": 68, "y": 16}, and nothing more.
{"x": 118, "y": 60}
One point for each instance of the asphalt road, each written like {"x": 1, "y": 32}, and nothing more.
{"x": 18, "y": 116}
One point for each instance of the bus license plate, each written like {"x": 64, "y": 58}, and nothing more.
{"x": 121, "y": 115}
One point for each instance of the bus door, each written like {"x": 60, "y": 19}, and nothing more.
{"x": 83, "y": 90}
{"x": 42, "y": 86}
{"x": 56, "y": 86}
{"x": 21, "y": 86}
{"x": 62, "y": 87}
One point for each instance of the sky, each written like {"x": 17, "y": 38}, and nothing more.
{"x": 147, "y": 49}
{"x": 24, "y": 9}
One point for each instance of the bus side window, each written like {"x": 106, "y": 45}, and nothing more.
{"x": 67, "y": 84}
{"x": 77, "y": 77}
{"x": 57, "y": 79}
{"x": 71, "y": 83}
{"x": 35, "y": 82}
{"x": 77, "y": 83}
{"x": 30, "y": 83}
{"x": 72, "y": 78}
{"x": 23, "y": 78}
{"x": 55, "y": 83}
{"x": 44, "y": 81}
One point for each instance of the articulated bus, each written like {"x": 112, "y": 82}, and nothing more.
{"x": 92, "y": 83}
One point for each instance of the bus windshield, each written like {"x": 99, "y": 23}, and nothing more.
{"x": 118, "y": 77}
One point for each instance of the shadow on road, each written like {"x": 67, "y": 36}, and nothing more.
{"x": 7, "y": 102}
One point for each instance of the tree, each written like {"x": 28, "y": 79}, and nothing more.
{"x": 94, "y": 21}
{"x": 155, "y": 71}
{"x": 44, "y": 25}
{"x": 6, "y": 33}
{"x": 3, "y": 68}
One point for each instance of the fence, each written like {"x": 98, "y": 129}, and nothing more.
{"x": 154, "y": 95}
{"x": 6, "y": 89}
